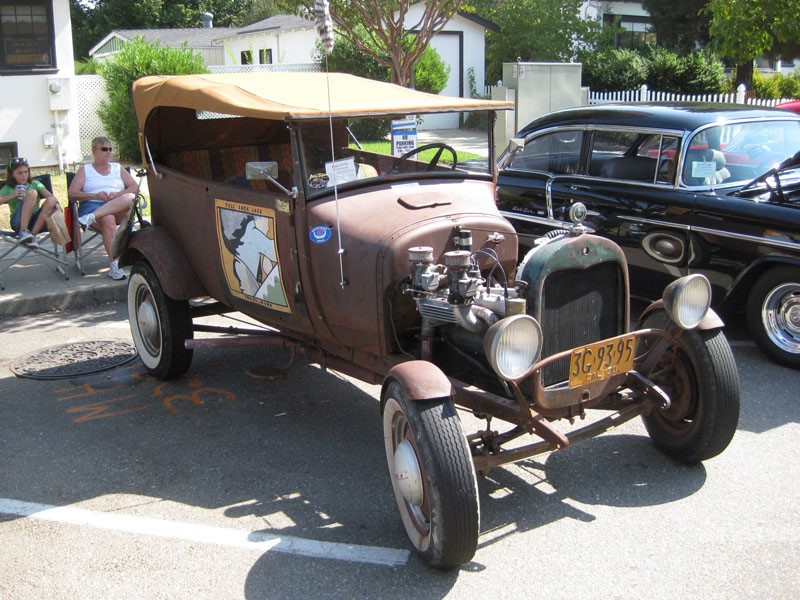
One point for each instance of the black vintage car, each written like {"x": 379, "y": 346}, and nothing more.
{"x": 682, "y": 188}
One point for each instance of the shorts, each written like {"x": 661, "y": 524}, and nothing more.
{"x": 88, "y": 206}
{"x": 16, "y": 219}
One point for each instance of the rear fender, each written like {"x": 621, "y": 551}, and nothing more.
{"x": 420, "y": 380}
{"x": 156, "y": 246}
{"x": 711, "y": 321}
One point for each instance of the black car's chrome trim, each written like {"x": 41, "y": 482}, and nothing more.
{"x": 680, "y": 226}
{"x": 750, "y": 238}
{"x": 534, "y": 219}
{"x": 548, "y": 195}
{"x": 718, "y": 232}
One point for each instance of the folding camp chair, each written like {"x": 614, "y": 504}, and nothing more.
{"x": 12, "y": 251}
{"x": 83, "y": 242}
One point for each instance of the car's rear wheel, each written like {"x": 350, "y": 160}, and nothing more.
{"x": 699, "y": 376}
{"x": 432, "y": 476}
{"x": 160, "y": 325}
{"x": 773, "y": 315}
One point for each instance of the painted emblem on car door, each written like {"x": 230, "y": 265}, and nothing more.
{"x": 249, "y": 253}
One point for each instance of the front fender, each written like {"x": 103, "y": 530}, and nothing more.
{"x": 711, "y": 321}
{"x": 420, "y": 380}
{"x": 156, "y": 246}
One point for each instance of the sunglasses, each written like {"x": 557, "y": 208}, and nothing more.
{"x": 105, "y": 148}
{"x": 17, "y": 162}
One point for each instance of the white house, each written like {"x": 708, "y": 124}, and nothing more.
{"x": 461, "y": 44}
{"x": 282, "y": 39}
{"x": 38, "y": 116}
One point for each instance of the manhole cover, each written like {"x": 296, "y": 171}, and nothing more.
{"x": 77, "y": 358}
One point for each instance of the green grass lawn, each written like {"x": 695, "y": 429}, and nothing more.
{"x": 385, "y": 147}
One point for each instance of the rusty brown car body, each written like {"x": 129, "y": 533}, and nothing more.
{"x": 401, "y": 271}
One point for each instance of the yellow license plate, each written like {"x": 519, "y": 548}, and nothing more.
{"x": 601, "y": 360}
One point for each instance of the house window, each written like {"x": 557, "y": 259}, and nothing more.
{"x": 637, "y": 32}
{"x": 26, "y": 31}
{"x": 265, "y": 56}
{"x": 247, "y": 57}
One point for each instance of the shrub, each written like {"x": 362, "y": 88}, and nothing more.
{"x": 137, "y": 59}
{"x": 664, "y": 69}
{"x": 475, "y": 120}
{"x": 776, "y": 85}
{"x": 703, "y": 73}
{"x": 86, "y": 67}
{"x": 622, "y": 69}
{"x": 613, "y": 69}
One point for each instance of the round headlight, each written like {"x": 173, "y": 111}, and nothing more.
{"x": 512, "y": 346}
{"x": 687, "y": 300}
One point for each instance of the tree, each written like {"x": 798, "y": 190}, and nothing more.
{"x": 743, "y": 30}
{"x": 391, "y": 38}
{"x": 533, "y": 30}
{"x": 680, "y": 25}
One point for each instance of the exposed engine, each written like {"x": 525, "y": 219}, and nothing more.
{"x": 467, "y": 310}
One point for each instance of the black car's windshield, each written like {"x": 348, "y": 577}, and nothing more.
{"x": 350, "y": 152}
{"x": 737, "y": 153}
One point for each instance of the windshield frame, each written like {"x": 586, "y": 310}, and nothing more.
{"x": 359, "y": 166}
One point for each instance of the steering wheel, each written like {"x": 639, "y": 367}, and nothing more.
{"x": 433, "y": 162}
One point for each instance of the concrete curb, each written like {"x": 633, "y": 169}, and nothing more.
{"x": 84, "y": 297}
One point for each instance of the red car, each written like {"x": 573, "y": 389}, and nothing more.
{"x": 792, "y": 105}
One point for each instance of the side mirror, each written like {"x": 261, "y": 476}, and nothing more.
{"x": 515, "y": 146}
{"x": 261, "y": 170}
{"x": 267, "y": 171}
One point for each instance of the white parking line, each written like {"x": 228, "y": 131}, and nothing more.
{"x": 236, "y": 538}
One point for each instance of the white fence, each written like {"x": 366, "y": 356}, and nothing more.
{"x": 643, "y": 94}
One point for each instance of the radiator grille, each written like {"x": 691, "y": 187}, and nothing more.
{"x": 580, "y": 306}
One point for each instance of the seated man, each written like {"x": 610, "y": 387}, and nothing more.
{"x": 23, "y": 193}
{"x": 105, "y": 191}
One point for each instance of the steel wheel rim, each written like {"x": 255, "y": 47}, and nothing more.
{"x": 420, "y": 515}
{"x": 147, "y": 320}
{"x": 780, "y": 315}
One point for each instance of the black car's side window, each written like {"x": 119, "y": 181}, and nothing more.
{"x": 633, "y": 156}
{"x": 556, "y": 152}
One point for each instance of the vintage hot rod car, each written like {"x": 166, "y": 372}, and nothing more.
{"x": 401, "y": 271}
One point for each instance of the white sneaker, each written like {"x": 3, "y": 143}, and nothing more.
{"x": 32, "y": 243}
{"x": 24, "y": 236}
{"x": 87, "y": 221}
{"x": 115, "y": 272}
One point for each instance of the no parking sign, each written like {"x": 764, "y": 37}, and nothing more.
{"x": 404, "y": 135}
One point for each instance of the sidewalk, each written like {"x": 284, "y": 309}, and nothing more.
{"x": 33, "y": 287}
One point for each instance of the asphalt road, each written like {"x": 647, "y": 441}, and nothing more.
{"x": 222, "y": 485}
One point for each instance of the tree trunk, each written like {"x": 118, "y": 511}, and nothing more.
{"x": 744, "y": 74}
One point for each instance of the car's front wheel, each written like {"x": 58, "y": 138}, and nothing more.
{"x": 773, "y": 315}
{"x": 160, "y": 325}
{"x": 699, "y": 376}
{"x": 432, "y": 477}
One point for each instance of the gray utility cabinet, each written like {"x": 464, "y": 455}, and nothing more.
{"x": 542, "y": 88}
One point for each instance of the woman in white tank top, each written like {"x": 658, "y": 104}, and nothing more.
{"x": 105, "y": 193}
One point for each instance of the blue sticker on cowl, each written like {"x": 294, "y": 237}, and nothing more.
{"x": 320, "y": 234}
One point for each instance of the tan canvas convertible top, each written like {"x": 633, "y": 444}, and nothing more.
{"x": 288, "y": 96}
